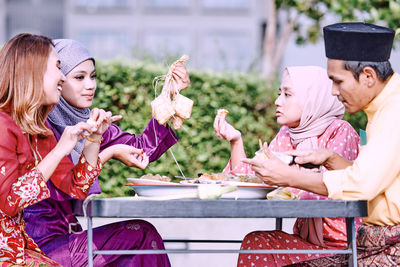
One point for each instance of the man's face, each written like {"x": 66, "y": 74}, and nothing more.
{"x": 354, "y": 95}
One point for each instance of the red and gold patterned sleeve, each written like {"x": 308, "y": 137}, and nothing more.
{"x": 72, "y": 180}
{"x": 27, "y": 190}
{"x": 85, "y": 175}
{"x": 21, "y": 184}
{"x": 75, "y": 180}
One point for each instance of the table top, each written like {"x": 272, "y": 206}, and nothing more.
{"x": 130, "y": 207}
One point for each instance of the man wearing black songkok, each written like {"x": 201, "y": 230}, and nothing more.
{"x": 363, "y": 79}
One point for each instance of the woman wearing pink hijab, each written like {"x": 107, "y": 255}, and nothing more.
{"x": 311, "y": 118}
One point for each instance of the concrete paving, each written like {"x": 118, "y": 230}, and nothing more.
{"x": 227, "y": 229}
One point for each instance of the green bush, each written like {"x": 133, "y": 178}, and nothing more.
{"x": 126, "y": 89}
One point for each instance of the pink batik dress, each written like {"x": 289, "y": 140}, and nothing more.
{"x": 339, "y": 137}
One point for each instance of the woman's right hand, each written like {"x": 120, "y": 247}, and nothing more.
{"x": 70, "y": 136}
{"x": 224, "y": 130}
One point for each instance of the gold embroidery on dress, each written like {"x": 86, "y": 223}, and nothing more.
{"x": 35, "y": 151}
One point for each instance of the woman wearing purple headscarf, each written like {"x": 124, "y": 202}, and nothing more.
{"x": 311, "y": 118}
{"x": 52, "y": 223}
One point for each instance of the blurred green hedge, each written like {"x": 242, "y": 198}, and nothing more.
{"x": 127, "y": 89}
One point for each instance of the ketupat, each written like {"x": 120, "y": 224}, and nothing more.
{"x": 177, "y": 109}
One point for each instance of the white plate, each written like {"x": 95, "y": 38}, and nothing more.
{"x": 195, "y": 181}
{"x": 242, "y": 192}
{"x": 141, "y": 181}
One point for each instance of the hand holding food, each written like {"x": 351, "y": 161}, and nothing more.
{"x": 131, "y": 156}
{"x": 170, "y": 104}
{"x": 223, "y": 129}
{"x": 268, "y": 169}
{"x": 100, "y": 120}
{"x": 178, "y": 75}
{"x": 71, "y": 135}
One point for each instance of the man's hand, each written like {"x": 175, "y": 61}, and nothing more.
{"x": 274, "y": 172}
{"x": 330, "y": 160}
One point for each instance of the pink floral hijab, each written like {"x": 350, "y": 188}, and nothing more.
{"x": 313, "y": 91}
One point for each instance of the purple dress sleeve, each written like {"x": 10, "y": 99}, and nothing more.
{"x": 52, "y": 219}
{"x": 155, "y": 139}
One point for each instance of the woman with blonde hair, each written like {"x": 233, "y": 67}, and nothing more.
{"x": 30, "y": 85}
{"x": 52, "y": 223}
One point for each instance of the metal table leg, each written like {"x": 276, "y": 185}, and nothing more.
{"x": 351, "y": 241}
{"x": 278, "y": 224}
{"x": 90, "y": 241}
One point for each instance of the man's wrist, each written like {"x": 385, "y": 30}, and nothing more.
{"x": 329, "y": 163}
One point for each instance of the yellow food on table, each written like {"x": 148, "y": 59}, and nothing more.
{"x": 282, "y": 193}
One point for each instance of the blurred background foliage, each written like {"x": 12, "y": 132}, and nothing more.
{"x": 126, "y": 88}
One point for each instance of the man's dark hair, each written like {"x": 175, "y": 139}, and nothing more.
{"x": 383, "y": 69}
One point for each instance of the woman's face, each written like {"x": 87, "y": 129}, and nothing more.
{"x": 53, "y": 79}
{"x": 80, "y": 85}
{"x": 288, "y": 111}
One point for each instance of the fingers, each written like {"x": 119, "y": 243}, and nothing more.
{"x": 104, "y": 117}
{"x": 252, "y": 162}
{"x": 265, "y": 146}
{"x": 219, "y": 126}
{"x": 145, "y": 162}
{"x": 299, "y": 153}
{"x": 180, "y": 76}
{"x": 307, "y": 157}
{"x": 301, "y": 159}
{"x": 268, "y": 152}
{"x": 134, "y": 161}
{"x": 79, "y": 129}
{"x": 180, "y": 71}
{"x": 94, "y": 114}
{"x": 142, "y": 160}
{"x": 100, "y": 116}
{"x": 116, "y": 118}
{"x": 80, "y": 126}
{"x": 216, "y": 126}
{"x": 135, "y": 150}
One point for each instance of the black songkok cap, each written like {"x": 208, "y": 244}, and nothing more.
{"x": 357, "y": 41}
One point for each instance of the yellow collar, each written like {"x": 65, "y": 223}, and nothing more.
{"x": 392, "y": 85}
